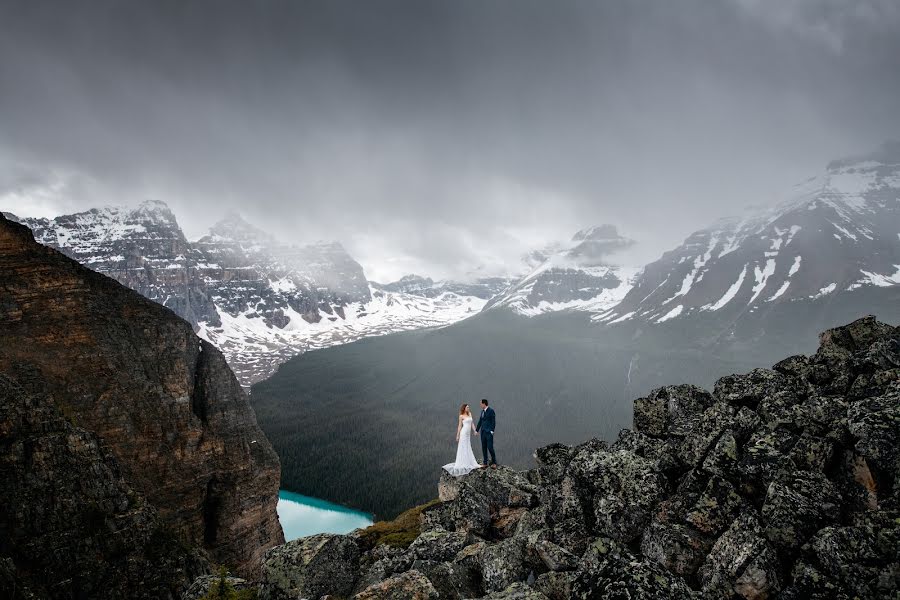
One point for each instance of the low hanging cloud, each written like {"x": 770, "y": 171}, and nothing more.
{"x": 445, "y": 138}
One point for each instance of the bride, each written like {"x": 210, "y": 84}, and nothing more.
{"x": 465, "y": 458}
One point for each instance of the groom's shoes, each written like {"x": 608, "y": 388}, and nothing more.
{"x": 493, "y": 465}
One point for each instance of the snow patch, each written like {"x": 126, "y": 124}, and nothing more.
{"x": 762, "y": 277}
{"x": 671, "y": 314}
{"x": 730, "y": 293}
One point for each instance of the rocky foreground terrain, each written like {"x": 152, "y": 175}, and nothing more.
{"x": 781, "y": 483}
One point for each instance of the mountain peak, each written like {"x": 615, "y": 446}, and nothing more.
{"x": 152, "y": 205}
{"x": 234, "y": 227}
{"x": 888, "y": 154}
{"x": 597, "y": 232}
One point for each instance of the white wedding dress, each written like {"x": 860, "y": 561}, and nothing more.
{"x": 465, "y": 458}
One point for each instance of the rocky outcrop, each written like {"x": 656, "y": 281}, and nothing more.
{"x": 781, "y": 483}
{"x": 162, "y": 401}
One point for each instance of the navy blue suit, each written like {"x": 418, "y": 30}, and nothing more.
{"x": 486, "y": 425}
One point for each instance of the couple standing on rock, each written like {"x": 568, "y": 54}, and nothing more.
{"x": 465, "y": 458}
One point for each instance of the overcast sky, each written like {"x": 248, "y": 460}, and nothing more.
{"x": 439, "y": 137}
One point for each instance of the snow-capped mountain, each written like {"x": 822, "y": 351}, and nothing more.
{"x": 840, "y": 233}
{"x": 578, "y": 275}
{"x": 258, "y": 300}
{"x": 482, "y": 287}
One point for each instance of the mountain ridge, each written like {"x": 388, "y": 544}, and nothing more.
{"x": 258, "y": 300}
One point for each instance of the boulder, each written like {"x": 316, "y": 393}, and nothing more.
{"x": 742, "y": 563}
{"x": 555, "y": 585}
{"x": 437, "y": 545}
{"x": 311, "y": 567}
{"x": 517, "y": 591}
{"x": 552, "y": 461}
{"x": 677, "y": 547}
{"x": 668, "y": 410}
{"x": 783, "y": 408}
{"x": 715, "y": 509}
{"x": 704, "y": 432}
{"x": 749, "y": 389}
{"x": 797, "y": 505}
{"x": 626, "y": 490}
{"x": 797, "y": 366}
{"x": 875, "y": 423}
{"x": 722, "y": 458}
{"x": 451, "y": 580}
{"x": 471, "y": 555}
{"x": 607, "y": 570}
{"x": 448, "y": 487}
{"x": 503, "y": 564}
{"x": 764, "y": 456}
{"x": 853, "y": 337}
{"x": 812, "y": 453}
{"x": 555, "y": 558}
{"x": 411, "y": 585}
{"x": 659, "y": 451}
{"x": 506, "y": 522}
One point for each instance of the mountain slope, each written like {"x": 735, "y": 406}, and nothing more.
{"x": 838, "y": 234}
{"x": 162, "y": 400}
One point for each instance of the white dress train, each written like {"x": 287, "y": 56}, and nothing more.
{"x": 465, "y": 458}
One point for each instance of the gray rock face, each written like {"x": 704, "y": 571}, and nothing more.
{"x": 71, "y": 525}
{"x": 311, "y": 567}
{"x": 775, "y": 486}
{"x": 411, "y": 585}
{"x": 741, "y": 562}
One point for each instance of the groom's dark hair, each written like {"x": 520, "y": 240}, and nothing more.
{"x": 484, "y": 401}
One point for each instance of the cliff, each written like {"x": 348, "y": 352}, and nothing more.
{"x": 163, "y": 402}
{"x": 70, "y": 525}
{"x": 780, "y": 483}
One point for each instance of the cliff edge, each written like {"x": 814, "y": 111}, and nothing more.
{"x": 162, "y": 402}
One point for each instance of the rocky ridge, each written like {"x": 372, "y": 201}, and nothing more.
{"x": 780, "y": 483}
{"x": 162, "y": 402}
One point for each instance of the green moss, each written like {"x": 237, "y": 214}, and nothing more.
{"x": 398, "y": 533}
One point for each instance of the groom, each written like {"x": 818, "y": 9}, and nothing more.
{"x": 486, "y": 424}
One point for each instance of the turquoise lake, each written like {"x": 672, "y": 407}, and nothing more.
{"x": 301, "y": 516}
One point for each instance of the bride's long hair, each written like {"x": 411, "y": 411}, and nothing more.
{"x": 462, "y": 409}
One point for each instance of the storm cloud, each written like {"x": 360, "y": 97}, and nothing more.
{"x": 444, "y": 138}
